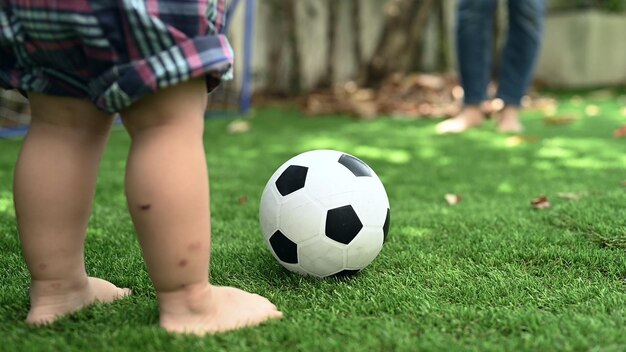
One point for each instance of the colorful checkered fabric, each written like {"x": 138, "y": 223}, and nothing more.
{"x": 112, "y": 52}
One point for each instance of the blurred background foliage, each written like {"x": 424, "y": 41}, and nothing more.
{"x": 605, "y": 5}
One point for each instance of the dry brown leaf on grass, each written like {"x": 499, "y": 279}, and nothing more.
{"x": 620, "y": 132}
{"x": 453, "y": 199}
{"x": 559, "y": 120}
{"x": 567, "y": 195}
{"x": 540, "y": 202}
{"x": 243, "y": 200}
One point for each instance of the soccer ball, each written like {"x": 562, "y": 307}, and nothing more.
{"x": 324, "y": 213}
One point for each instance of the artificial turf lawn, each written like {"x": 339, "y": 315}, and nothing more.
{"x": 490, "y": 273}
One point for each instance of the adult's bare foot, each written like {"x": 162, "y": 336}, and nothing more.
{"x": 470, "y": 116}
{"x": 508, "y": 121}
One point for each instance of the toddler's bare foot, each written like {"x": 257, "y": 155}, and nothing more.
{"x": 509, "y": 120}
{"x": 468, "y": 118}
{"x": 206, "y": 309}
{"x": 50, "y": 300}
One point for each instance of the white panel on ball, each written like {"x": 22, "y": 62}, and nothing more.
{"x": 297, "y": 227}
{"x": 327, "y": 177}
{"x": 364, "y": 248}
{"x": 268, "y": 212}
{"x": 335, "y": 200}
{"x": 370, "y": 206}
{"x": 321, "y": 258}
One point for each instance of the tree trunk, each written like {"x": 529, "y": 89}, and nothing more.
{"x": 400, "y": 41}
{"x": 275, "y": 50}
{"x": 357, "y": 45}
{"x": 331, "y": 40}
{"x": 444, "y": 61}
{"x": 416, "y": 35}
{"x": 295, "y": 72}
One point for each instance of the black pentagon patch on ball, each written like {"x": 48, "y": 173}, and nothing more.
{"x": 356, "y": 166}
{"x": 292, "y": 179}
{"x": 342, "y": 224}
{"x": 285, "y": 249}
{"x": 386, "y": 226}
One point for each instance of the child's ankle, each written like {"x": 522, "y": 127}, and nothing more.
{"x": 58, "y": 286}
{"x": 187, "y": 297}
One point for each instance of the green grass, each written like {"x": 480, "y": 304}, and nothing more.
{"x": 488, "y": 274}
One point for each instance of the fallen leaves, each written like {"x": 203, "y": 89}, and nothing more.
{"x": 414, "y": 95}
{"x": 543, "y": 202}
{"x": 620, "y": 132}
{"x": 452, "y": 199}
{"x": 559, "y": 120}
{"x": 540, "y": 202}
{"x": 243, "y": 200}
{"x": 421, "y": 95}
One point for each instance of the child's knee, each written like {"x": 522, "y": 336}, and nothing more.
{"x": 181, "y": 106}
{"x": 68, "y": 113}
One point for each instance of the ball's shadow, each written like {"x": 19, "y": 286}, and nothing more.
{"x": 277, "y": 275}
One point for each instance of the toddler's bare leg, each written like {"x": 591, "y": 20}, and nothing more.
{"x": 168, "y": 197}
{"x": 55, "y": 180}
